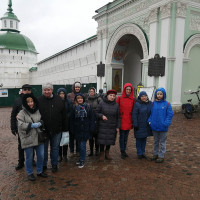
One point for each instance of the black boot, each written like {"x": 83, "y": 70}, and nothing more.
{"x": 19, "y": 166}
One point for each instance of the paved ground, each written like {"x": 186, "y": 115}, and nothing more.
{"x": 177, "y": 178}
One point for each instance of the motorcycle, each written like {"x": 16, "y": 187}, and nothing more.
{"x": 189, "y": 108}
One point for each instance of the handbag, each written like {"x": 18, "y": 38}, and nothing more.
{"x": 65, "y": 139}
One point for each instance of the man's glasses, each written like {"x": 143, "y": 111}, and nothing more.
{"x": 26, "y": 89}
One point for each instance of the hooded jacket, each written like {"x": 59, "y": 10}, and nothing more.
{"x": 72, "y": 95}
{"x": 126, "y": 104}
{"x": 28, "y": 136}
{"x": 161, "y": 113}
{"x": 68, "y": 106}
{"x": 140, "y": 115}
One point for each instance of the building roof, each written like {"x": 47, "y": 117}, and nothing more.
{"x": 16, "y": 41}
{"x": 9, "y": 15}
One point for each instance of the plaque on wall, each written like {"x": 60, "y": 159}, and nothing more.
{"x": 101, "y": 70}
{"x": 156, "y": 66}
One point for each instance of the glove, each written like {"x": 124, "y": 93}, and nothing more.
{"x": 36, "y": 125}
{"x": 14, "y": 132}
{"x": 136, "y": 128}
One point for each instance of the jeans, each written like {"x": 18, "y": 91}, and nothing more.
{"x": 82, "y": 150}
{"x": 160, "y": 143}
{"x": 29, "y": 158}
{"x": 54, "y": 149}
{"x": 71, "y": 144}
{"x": 140, "y": 146}
{"x": 123, "y": 139}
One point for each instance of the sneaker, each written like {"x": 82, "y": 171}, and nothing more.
{"x": 44, "y": 168}
{"x": 91, "y": 154}
{"x": 81, "y": 165}
{"x": 31, "y": 177}
{"x": 139, "y": 156}
{"x": 42, "y": 175}
{"x": 60, "y": 159}
{"x": 123, "y": 156}
{"x": 71, "y": 155}
{"x": 144, "y": 156}
{"x": 159, "y": 160}
{"x": 19, "y": 166}
{"x": 78, "y": 162}
{"x": 154, "y": 157}
{"x": 65, "y": 158}
{"x": 54, "y": 168}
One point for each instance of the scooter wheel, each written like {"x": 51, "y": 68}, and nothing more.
{"x": 188, "y": 115}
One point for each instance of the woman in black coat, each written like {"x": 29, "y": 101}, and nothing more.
{"x": 142, "y": 130}
{"x": 108, "y": 117}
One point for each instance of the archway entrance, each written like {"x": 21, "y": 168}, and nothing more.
{"x": 126, "y": 62}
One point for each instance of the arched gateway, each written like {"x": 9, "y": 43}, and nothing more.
{"x": 125, "y": 50}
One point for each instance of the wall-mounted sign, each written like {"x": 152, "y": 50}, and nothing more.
{"x": 3, "y": 93}
{"x": 149, "y": 91}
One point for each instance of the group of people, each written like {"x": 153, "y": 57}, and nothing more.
{"x": 97, "y": 118}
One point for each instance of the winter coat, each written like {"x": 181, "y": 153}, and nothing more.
{"x": 126, "y": 104}
{"x": 72, "y": 95}
{"x": 161, "y": 113}
{"x": 107, "y": 129}
{"x": 68, "y": 107}
{"x": 93, "y": 101}
{"x": 82, "y": 127}
{"x": 15, "y": 110}
{"x": 53, "y": 114}
{"x": 140, "y": 115}
{"x": 28, "y": 136}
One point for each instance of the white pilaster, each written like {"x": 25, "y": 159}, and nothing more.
{"x": 179, "y": 42}
{"x": 152, "y": 41}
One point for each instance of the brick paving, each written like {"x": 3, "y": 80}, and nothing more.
{"x": 177, "y": 178}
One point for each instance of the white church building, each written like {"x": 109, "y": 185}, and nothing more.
{"x": 130, "y": 33}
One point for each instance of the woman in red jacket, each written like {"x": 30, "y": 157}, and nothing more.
{"x": 126, "y": 102}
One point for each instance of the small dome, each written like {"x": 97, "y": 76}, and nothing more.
{"x": 16, "y": 41}
{"x": 9, "y": 15}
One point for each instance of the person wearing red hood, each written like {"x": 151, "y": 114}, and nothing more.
{"x": 126, "y": 103}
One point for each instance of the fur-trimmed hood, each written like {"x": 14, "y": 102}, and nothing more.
{"x": 25, "y": 105}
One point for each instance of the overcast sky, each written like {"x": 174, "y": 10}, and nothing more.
{"x": 54, "y": 25}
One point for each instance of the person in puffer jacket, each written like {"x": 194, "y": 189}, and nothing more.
{"x": 160, "y": 120}
{"x": 126, "y": 103}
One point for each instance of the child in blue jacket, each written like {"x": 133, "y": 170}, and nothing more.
{"x": 159, "y": 120}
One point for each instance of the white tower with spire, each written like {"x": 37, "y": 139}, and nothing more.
{"x": 17, "y": 52}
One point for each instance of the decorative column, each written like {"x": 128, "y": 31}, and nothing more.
{"x": 153, "y": 21}
{"x": 179, "y": 42}
{"x": 165, "y": 40}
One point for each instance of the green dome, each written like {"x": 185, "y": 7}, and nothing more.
{"x": 9, "y": 15}
{"x": 16, "y": 41}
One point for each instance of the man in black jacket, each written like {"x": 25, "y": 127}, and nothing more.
{"x": 53, "y": 114}
{"x": 26, "y": 89}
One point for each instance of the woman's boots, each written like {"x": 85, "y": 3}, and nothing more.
{"x": 107, "y": 155}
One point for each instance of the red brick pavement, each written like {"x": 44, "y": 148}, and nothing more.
{"x": 177, "y": 178}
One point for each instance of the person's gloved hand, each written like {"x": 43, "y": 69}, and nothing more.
{"x": 14, "y": 132}
{"x": 35, "y": 125}
{"x": 136, "y": 128}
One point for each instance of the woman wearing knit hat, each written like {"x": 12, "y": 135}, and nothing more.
{"x": 82, "y": 125}
{"x": 142, "y": 130}
{"x": 108, "y": 115}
